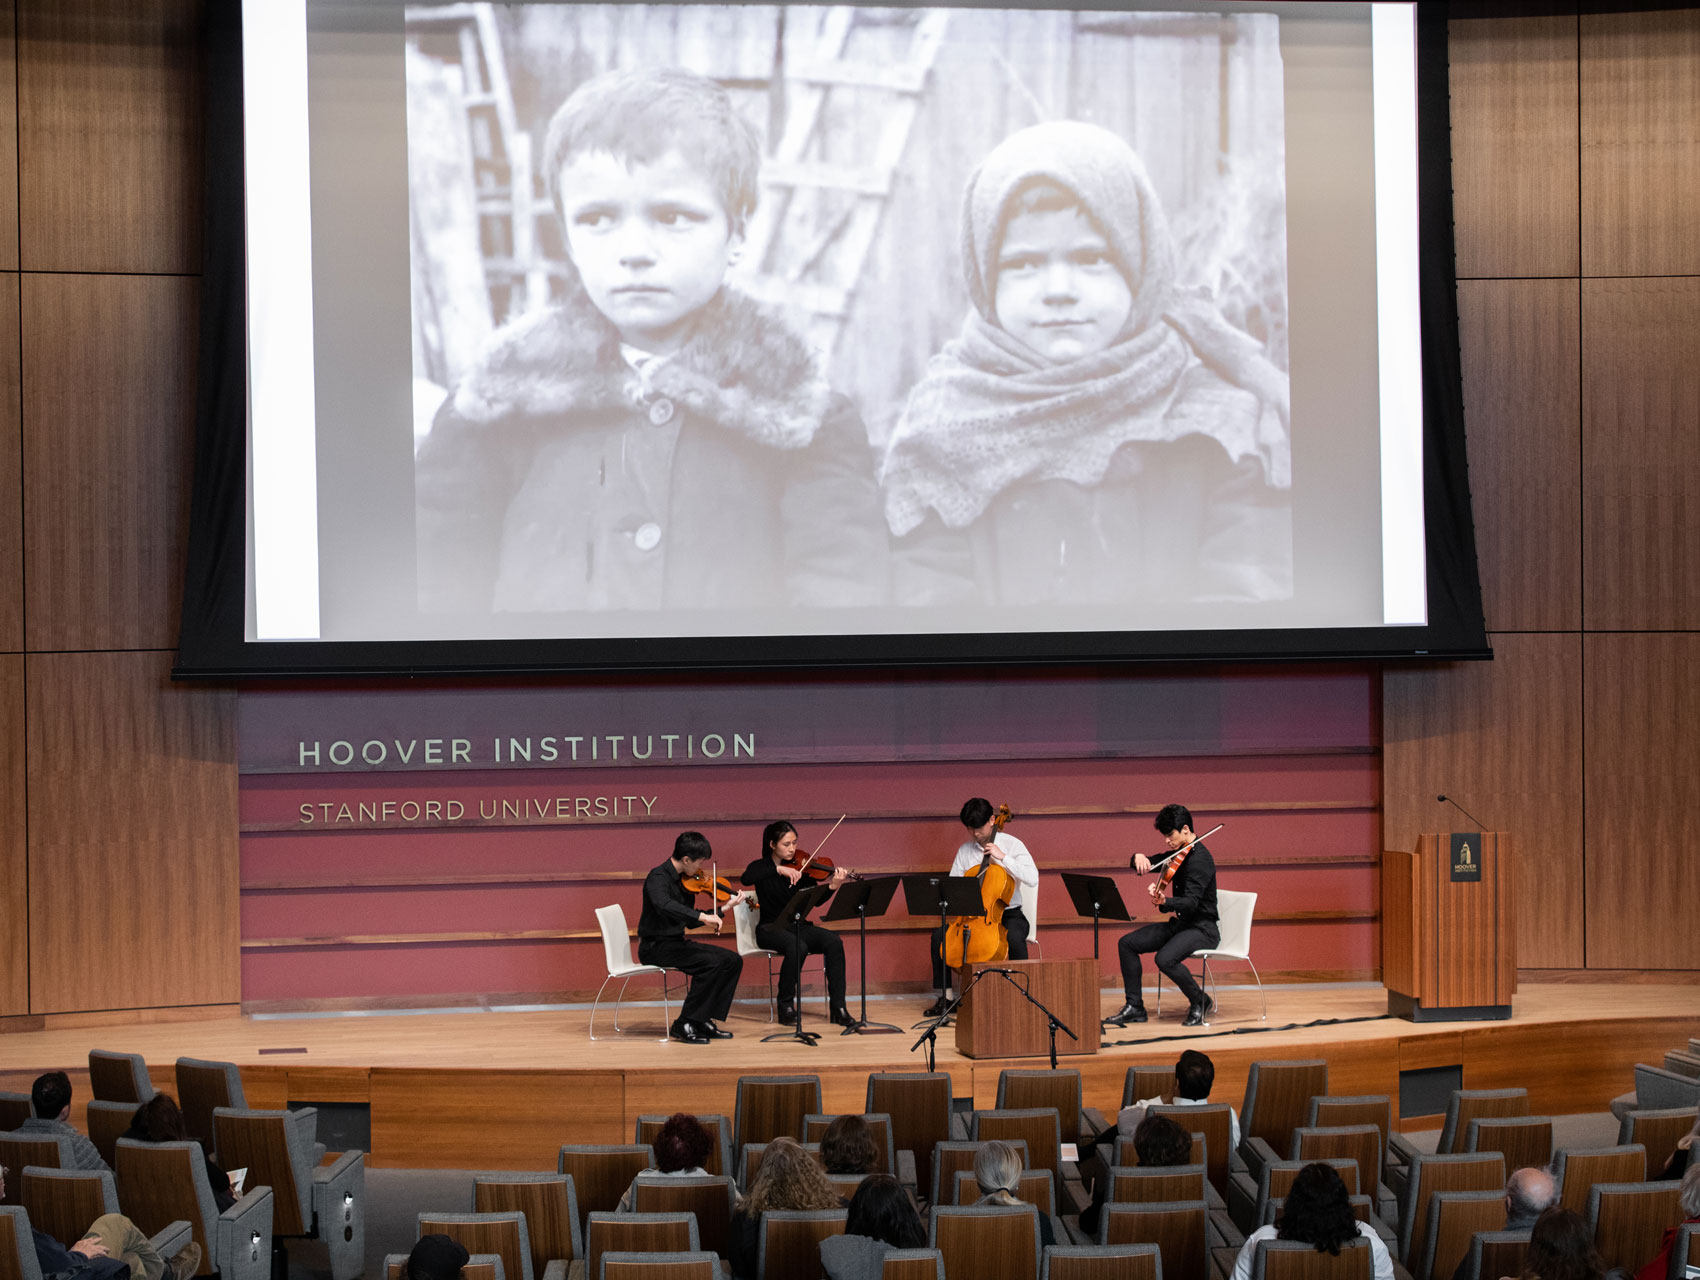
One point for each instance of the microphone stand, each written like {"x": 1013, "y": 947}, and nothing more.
{"x": 1051, "y": 1018}
{"x": 930, "y": 1036}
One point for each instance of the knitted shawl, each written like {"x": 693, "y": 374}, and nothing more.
{"x": 990, "y": 413}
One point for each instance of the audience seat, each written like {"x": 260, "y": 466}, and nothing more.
{"x": 1364, "y": 1108}
{"x": 162, "y": 1182}
{"x": 950, "y": 1158}
{"x": 1431, "y": 1174}
{"x": 1464, "y": 1106}
{"x": 21, "y": 1150}
{"x": 1576, "y": 1169}
{"x": 709, "y": 1200}
{"x": 1250, "y": 1197}
{"x": 503, "y": 1234}
{"x": 1216, "y": 1123}
{"x": 1360, "y": 1143}
{"x": 203, "y": 1086}
{"x": 1454, "y": 1218}
{"x": 1277, "y": 1101}
{"x": 106, "y": 1122}
{"x": 601, "y": 1173}
{"x": 314, "y": 1201}
{"x": 815, "y": 1127}
{"x": 770, "y": 1107}
{"x": 1102, "y": 1262}
{"x": 749, "y": 1161}
{"x": 619, "y": 1265}
{"x": 119, "y": 1077}
{"x": 638, "y": 1233}
{"x": 1657, "y": 1090}
{"x": 550, "y": 1208}
{"x": 1024, "y": 1088}
{"x": 1657, "y": 1131}
{"x": 1179, "y": 1228}
{"x": 1038, "y": 1127}
{"x": 1036, "y": 1187}
{"x": 913, "y": 1264}
{"x": 1524, "y": 1141}
{"x": 1144, "y": 1082}
{"x": 920, "y": 1106}
{"x": 62, "y": 1202}
{"x": 479, "y": 1266}
{"x": 1685, "y": 1249}
{"x": 789, "y": 1244}
{"x": 987, "y": 1242}
{"x": 1295, "y": 1260}
{"x": 1628, "y": 1220}
{"x": 1496, "y": 1253}
{"x": 15, "y": 1108}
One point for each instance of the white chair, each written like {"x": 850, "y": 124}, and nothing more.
{"x": 744, "y": 918}
{"x": 1234, "y": 911}
{"x": 617, "y": 951}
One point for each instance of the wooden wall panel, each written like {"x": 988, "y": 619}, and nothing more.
{"x": 132, "y": 835}
{"x": 108, "y": 406}
{"x": 492, "y": 1120}
{"x": 1640, "y": 116}
{"x": 1521, "y": 343}
{"x": 1642, "y": 698}
{"x": 109, "y": 135}
{"x": 1514, "y": 145}
{"x": 11, "y": 474}
{"x": 8, "y": 137}
{"x": 1641, "y": 454}
{"x": 14, "y": 873}
{"x": 1505, "y": 739}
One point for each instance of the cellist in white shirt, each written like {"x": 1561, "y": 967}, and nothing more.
{"x": 987, "y": 840}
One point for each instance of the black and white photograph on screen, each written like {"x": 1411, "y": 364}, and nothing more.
{"x": 940, "y": 313}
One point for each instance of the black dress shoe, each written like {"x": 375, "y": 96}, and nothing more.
{"x": 688, "y": 1032}
{"x": 1126, "y": 1014}
{"x": 787, "y": 1014}
{"x": 1196, "y": 1015}
{"x": 714, "y": 1031}
{"x": 840, "y": 1017}
{"x": 936, "y": 1008}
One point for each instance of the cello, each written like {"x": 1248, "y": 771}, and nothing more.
{"x": 982, "y": 939}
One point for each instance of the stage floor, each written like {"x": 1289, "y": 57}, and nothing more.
{"x": 503, "y": 1089}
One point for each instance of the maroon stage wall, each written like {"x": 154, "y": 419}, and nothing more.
{"x": 397, "y": 847}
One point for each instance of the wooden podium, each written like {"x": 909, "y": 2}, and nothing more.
{"x": 1448, "y": 932}
{"x": 995, "y": 1022}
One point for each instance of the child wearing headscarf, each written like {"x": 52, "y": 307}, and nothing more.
{"x": 1097, "y": 433}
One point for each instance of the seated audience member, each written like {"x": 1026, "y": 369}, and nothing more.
{"x": 1195, "y": 1074}
{"x": 680, "y": 1148}
{"x": 1561, "y": 1248}
{"x": 788, "y": 1178}
{"x": 435, "y": 1257}
{"x": 111, "y": 1249}
{"x": 1158, "y": 1143}
{"x": 848, "y": 1146}
{"x": 1682, "y": 1158}
{"x": 882, "y": 1218}
{"x": 997, "y": 1168}
{"x": 159, "y": 1120}
{"x": 50, "y": 1099}
{"x": 1318, "y": 1211}
{"x": 1528, "y": 1194}
{"x": 1689, "y": 1198}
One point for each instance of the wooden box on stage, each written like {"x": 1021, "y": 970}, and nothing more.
{"x": 1448, "y": 933}
{"x": 995, "y": 1022}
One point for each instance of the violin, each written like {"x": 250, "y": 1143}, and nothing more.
{"x": 1176, "y": 859}
{"x": 720, "y": 893}
{"x": 816, "y": 866}
{"x": 983, "y": 939}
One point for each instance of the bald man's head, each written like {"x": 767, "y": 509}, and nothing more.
{"x": 1529, "y": 1192}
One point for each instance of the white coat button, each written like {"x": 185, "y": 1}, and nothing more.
{"x": 648, "y": 537}
{"x": 661, "y": 411}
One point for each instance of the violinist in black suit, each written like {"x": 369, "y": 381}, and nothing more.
{"x": 1192, "y": 924}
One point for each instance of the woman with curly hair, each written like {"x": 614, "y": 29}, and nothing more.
{"x": 882, "y": 1218}
{"x": 789, "y": 1178}
{"x": 1318, "y": 1212}
{"x": 680, "y": 1149}
{"x": 848, "y": 1146}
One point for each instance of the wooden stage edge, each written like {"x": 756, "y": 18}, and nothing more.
{"x": 503, "y": 1090}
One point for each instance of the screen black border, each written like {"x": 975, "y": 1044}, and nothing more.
{"x": 216, "y": 592}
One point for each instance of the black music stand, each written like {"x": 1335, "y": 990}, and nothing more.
{"x": 948, "y": 896}
{"x": 861, "y": 899}
{"x": 795, "y": 912}
{"x": 1095, "y": 896}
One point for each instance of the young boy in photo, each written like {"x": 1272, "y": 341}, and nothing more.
{"x": 1096, "y": 434}
{"x": 655, "y": 440}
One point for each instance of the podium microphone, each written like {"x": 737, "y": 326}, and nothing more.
{"x": 1461, "y": 809}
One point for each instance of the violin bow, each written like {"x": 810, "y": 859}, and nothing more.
{"x": 1175, "y": 853}
{"x": 822, "y": 843}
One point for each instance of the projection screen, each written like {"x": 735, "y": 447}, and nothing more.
{"x": 595, "y": 334}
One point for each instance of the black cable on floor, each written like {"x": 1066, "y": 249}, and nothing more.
{"x": 1246, "y": 1031}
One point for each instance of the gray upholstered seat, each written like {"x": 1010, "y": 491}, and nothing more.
{"x": 321, "y": 1202}
{"x": 161, "y": 1182}
{"x": 119, "y": 1077}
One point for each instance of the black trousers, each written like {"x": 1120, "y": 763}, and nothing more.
{"x": 816, "y": 942}
{"x": 713, "y": 971}
{"x": 1015, "y": 925}
{"x": 1173, "y": 942}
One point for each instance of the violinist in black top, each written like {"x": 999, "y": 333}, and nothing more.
{"x": 1193, "y": 924}
{"x": 775, "y": 882}
{"x": 668, "y": 910}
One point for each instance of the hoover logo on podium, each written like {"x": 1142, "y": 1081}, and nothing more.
{"x": 1466, "y": 855}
